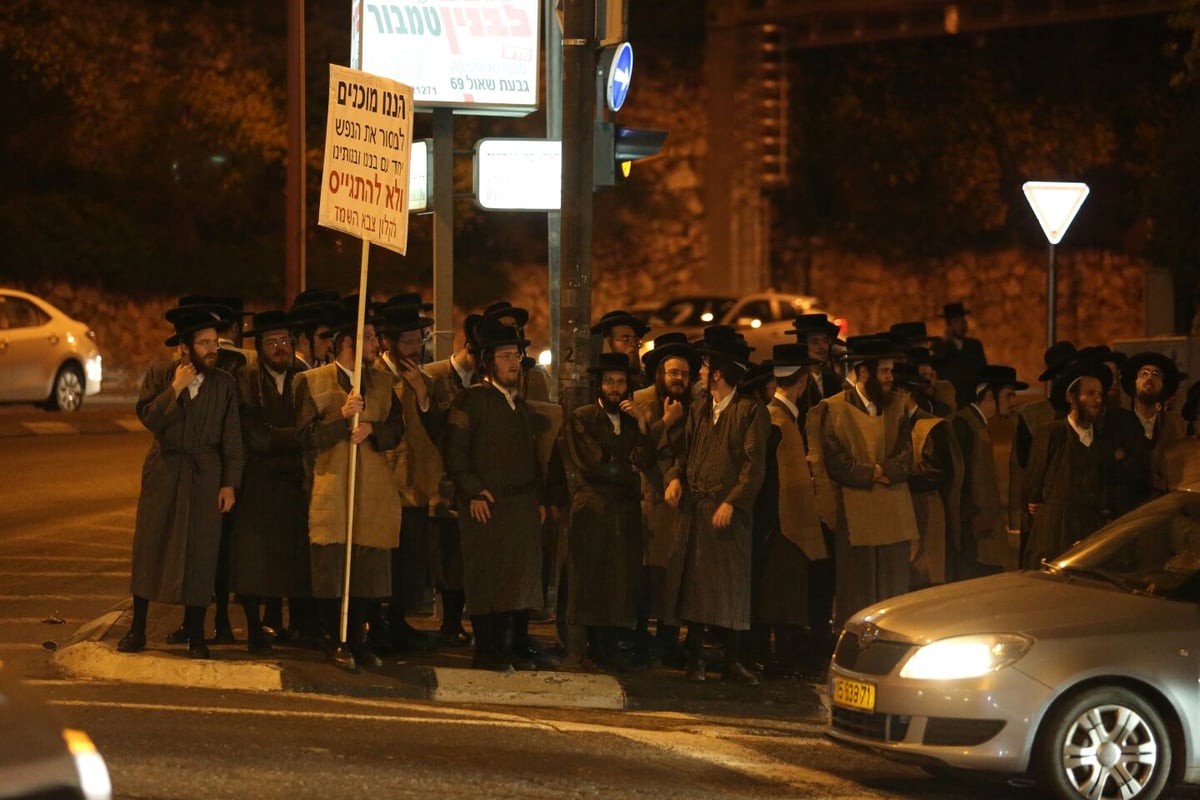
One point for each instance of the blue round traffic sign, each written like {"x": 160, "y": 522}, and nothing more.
{"x": 620, "y": 75}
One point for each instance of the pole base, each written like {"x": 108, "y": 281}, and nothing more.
{"x": 344, "y": 659}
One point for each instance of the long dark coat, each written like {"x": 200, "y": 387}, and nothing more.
{"x": 269, "y": 549}
{"x": 197, "y": 450}
{"x": 1067, "y": 480}
{"x": 488, "y": 445}
{"x": 723, "y": 463}
{"x": 604, "y": 558}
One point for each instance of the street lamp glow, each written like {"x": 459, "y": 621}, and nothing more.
{"x": 1055, "y": 204}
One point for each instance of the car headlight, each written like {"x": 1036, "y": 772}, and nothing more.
{"x": 93, "y": 773}
{"x": 965, "y": 656}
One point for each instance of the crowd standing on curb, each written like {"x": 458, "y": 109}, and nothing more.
{"x": 709, "y": 505}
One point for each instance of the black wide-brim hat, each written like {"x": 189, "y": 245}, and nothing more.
{"x": 272, "y": 320}
{"x": 906, "y": 374}
{"x": 233, "y": 305}
{"x": 757, "y": 376}
{"x": 872, "y": 347}
{"x": 1172, "y": 377}
{"x": 951, "y": 310}
{"x": 491, "y": 333}
{"x": 190, "y": 319}
{"x": 722, "y": 342}
{"x": 792, "y": 354}
{"x": 311, "y": 296}
{"x": 911, "y": 332}
{"x": 804, "y": 324}
{"x": 409, "y": 299}
{"x": 507, "y": 313}
{"x": 1084, "y": 368}
{"x": 403, "y": 318}
{"x": 670, "y": 345}
{"x": 612, "y": 362}
{"x": 347, "y": 322}
{"x": 224, "y": 313}
{"x": 620, "y": 317}
{"x": 1056, "y": 358}
{"x": 1000, "y": 375}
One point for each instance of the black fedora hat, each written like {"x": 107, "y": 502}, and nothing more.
{"x": 906, "y": 374}
{"x": 612, "y": 362}
{"x": 1000, "y": 375}
{"x": 271, "y": 320}
{"x": 1172, "y": 377}
{"x": 196, "y": 302}
{"x": 399, "y": 319}
{"x": 756, "y": 377}
{"x": 955, "y": 309}
{"x": 804, "y": 324}
{"x": 1081, "y": 368}
{"x": 911, "y": 332}
{"x": 507, "y": 313}
{"x": 311, "y": 296}
{"x": 620, "y": 317}
{"x": 409, "y": 299}
{"x": 1104, "y": 354}
{"x": 347, "y": 321}
{"x": 491, "y": 333}
{"x": 722, "y": 341}
{"x": 469, "y": 325}
{"x": 788, "y": 357}
{"x": 1192, "y": 403}
{"x": 1056, "y": 358}
{"x": 916, "y": 356}
{"x": 670, "y": 345}
{"x": 191, "y": 319}
{"x": 873, "y": 347}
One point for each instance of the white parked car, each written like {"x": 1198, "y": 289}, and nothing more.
{"x": 46, "y": 357}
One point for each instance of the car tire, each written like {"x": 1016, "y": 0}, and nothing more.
{"x": 1105, "y": 733}
{"x": 67, "y": 392}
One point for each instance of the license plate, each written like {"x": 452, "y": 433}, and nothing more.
{"x": 854, "y": 694}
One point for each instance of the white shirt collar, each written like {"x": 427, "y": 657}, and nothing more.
{"x": 511, "y": 397}
{"x": 788, "y": 404}
{"x": 615, "y": 419}
{"x": 464, "y": 375}
{"x": 1085, "y": 434}
{"x": 979, "y": 411}
{"x": 871, "y": 409}
{"x": 280, "y": 378}
{"x": 721, "y": 406}
{"x": 194, "y": 387}
{"x": 1147, "y": 424}
{"x": 349, "y": 373}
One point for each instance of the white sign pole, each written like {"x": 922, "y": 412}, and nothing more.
{"x": 1055, "y": 204}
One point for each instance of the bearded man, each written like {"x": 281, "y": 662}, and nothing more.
{"x": 1151, "y": 380}
{"x": 1064, "y": 484}
{"x": 491, "y": 457}
{"x": 269, "y": 541}
{"x": 818, "y": 333}
{"x": 188, "y": 481}
{"x": 673, "y": 362}
{"x": 623, "y": 333}
{"x": 865, "y": 437}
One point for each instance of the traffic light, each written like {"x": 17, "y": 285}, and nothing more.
{"x": 616, "y": 147}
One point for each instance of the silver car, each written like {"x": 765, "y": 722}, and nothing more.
{"x": 46, "y": 357}
{"x": 1084, "y": 675}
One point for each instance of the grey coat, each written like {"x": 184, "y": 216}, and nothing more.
{"x": 197, "y": 450}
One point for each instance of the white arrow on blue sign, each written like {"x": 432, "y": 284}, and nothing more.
{"x": 619, "y": 66}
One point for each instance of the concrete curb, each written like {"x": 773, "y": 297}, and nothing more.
{"x": 534, "y": 689}
{"x": 98, "y": 661}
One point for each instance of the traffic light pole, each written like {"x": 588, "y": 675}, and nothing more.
{"x": 552, "y": 44}
{"x": 575, "y": 292}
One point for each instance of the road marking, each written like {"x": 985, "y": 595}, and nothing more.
{"x": 124, "y": 573}
{"x": 16, "y": 598}
{"x": 131, "y": 424}
{"x": 76, "y": 558}
{"x": 49, "y": 427}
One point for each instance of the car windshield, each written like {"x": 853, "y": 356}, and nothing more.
{"x": 695, "y": 311}
{"x": 1154, "y": 549}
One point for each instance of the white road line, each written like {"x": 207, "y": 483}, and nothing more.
{"x": 17, "y": 598}
{"x": 75, "y": 558}
{"x": 124, "y": 573}
{"x": 49, "y": 427}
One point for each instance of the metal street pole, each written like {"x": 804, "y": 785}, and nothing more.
{"x": 552, "y": 44}
{"x": 296, "y": 225}
{"x": 575, "y": 292}
{"x": 443, "y": 233}
{"x": 1051, "y": 300}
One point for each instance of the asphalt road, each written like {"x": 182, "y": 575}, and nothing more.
{"x": 66, "y": 519}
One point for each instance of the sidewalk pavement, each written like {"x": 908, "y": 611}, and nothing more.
{"x": 100, "y": 414}
{"x": 442, "y": 676}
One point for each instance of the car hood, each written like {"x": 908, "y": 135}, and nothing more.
{"x": 1027, "y": 602}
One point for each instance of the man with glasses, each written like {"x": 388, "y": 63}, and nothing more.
{"x": 188, "y": 481}
{"x": 491, "y": 457}
{"x": 330, "y": 417}
{"x": 1151, "y": 380}
{"x": 269, "y": 545}
{"x": 623, "y": 333}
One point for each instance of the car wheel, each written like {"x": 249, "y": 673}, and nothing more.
{"x": 67, "y": 393}
{"x": 1104, "y": 742}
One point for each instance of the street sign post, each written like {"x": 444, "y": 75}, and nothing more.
{"x": 518, "y": 174}
{"x": 1055, "y": 204}
{"x": 617, "y": 65}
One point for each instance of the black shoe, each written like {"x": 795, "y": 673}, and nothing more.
{"x": 695, "y": 672}
{"x": 197, "y": 650}
{"x": 178, "y": 636}
{"x": 259, "y": 645}
{"x": 455, "y": 639}
{"x": 737, "y": 673}
{"x": 344, "y": 659}
{"x": 132, "y": 643}
{"x": 364, "y": 656}
{"x": 224, "y": 635}
{"x": 536, "y": 659}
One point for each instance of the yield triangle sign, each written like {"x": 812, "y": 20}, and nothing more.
{"x": 1055, "y": 203}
